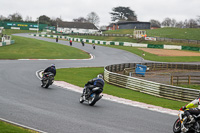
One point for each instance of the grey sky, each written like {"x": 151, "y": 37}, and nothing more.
{"x": 70, "y": 9}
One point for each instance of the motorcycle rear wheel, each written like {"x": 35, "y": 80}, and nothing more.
{"x": 47, "y": 84}
{"x": 177, "y": 126}
{"x": 92, "y": 100}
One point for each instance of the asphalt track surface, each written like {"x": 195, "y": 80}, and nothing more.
{"x": 57, "y": 110}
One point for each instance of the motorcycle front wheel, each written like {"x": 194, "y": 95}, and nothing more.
{"x": 81, "y": 100}
{"x": 177, "y": 126}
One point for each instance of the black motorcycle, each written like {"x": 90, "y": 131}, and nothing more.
{"x": 186, "y": 127}
{"x": 48, "y": 79}
{"x": 91, "y": 96}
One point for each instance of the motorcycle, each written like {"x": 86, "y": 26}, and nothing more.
{"x": 91, "y": 96}
{"x": 47, "y": 80}
{"x": 181, "y": 125}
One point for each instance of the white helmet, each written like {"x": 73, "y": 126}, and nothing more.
{"x": 100, "y": 76}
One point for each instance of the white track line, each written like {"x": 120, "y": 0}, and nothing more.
{"x": 91, "y": 57}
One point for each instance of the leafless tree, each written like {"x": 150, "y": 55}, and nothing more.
{"x": 192, "y": 23}
{"x": 93, "y": 18}
{"x": 15, "y": 17}
{"x": 28, "y": 18}
{"x": 173, "y": 22}
{"x": 180, "y": 24}
{"x": 166, "y": 22}
{"x": 198, "y": 20}
{"x": 2, "y": 17}
{"x": 80, "y": 19}
{"x": 155, "y": 23}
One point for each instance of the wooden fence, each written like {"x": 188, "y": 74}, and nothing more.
{"x": 149, "y": 87}
{"x": 180, "y": 80}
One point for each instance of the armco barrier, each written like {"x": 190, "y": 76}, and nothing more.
{"x": 149, "y": 87}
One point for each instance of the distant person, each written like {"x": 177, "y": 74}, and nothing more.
{"x": 82, "y": 43}
{"x": 93, "y": 46}
{"x": 56, "y": 39}
{"x": 70, "y": 42}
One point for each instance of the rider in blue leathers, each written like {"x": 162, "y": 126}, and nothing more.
{"x": 96, "y": 82}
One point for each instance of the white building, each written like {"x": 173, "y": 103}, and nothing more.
{"x": 76, "y": 27}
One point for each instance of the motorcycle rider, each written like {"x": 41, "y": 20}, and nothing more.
{"x": 51, "y": 69}
{"x": 190, "y": 109}
{"x": 95, "y": 82}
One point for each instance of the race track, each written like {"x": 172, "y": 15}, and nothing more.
{"x": 57, "y": 110}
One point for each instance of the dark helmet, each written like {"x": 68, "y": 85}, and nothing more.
{"x": 52, "y": 65}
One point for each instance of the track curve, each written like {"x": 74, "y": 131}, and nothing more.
{"x": 22, "y": 100}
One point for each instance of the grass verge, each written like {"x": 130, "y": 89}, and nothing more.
{"x": 27, "y": 48}
{"x": 80, "y": 76}
{"x": 11, "y": 31}
{"x": 9, "y": 128}
{"x": 178, "y": 33}
{"x": 153, "y": 57}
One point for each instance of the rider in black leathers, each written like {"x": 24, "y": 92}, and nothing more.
{"x": 96, "y": 82}
{"x": 51, "y": 69}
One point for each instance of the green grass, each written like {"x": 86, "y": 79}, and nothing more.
{"x": 80, "y": 76}
{"x": 27, "y": 48}
{"x": 9, "y": 128}
{"x": 128, "y": 39}
{"x": 153, "y": 57}
{"x": 178, "y": 33}
{"x": 191, "y": 86}
{"x": 148, "y": 56}
{"x": 11, "y": 31}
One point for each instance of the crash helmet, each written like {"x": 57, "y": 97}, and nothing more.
{"x": 52, "y": 65}
{"x": 100, "y": 76}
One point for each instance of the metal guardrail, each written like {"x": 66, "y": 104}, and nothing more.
{"x": 149, "y": 87}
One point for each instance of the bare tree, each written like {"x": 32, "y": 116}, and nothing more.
{"x": 15, "y": 17}
{"x": 155, "y": 23}
{"x": 80, "y": 19}
{"x": 192, "y": 23}
{"x": 28, "y": 19}
{"x": 93, "y": 18}
{"x": 56, "y": 21}
{"x": 180, "y": 24}
{"x": 185, "y": 23}
{"x": 167, "y": 22}
{"x": 2, "y": 17}
{"x": 173, "y": 22}
{"x": 198, "y": 20}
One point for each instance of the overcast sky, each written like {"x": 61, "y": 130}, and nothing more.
{"x": 70, "y": 9}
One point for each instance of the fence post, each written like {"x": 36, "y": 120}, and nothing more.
{"x": 177, "y": 80}
{"x": 189, "y": 78}
{"x": 172, "y": 80}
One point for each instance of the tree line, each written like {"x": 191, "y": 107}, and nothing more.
{"x": 118, "y": 14}
{"x": 171, "y": 22}
{"x": 43, "y": 19}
